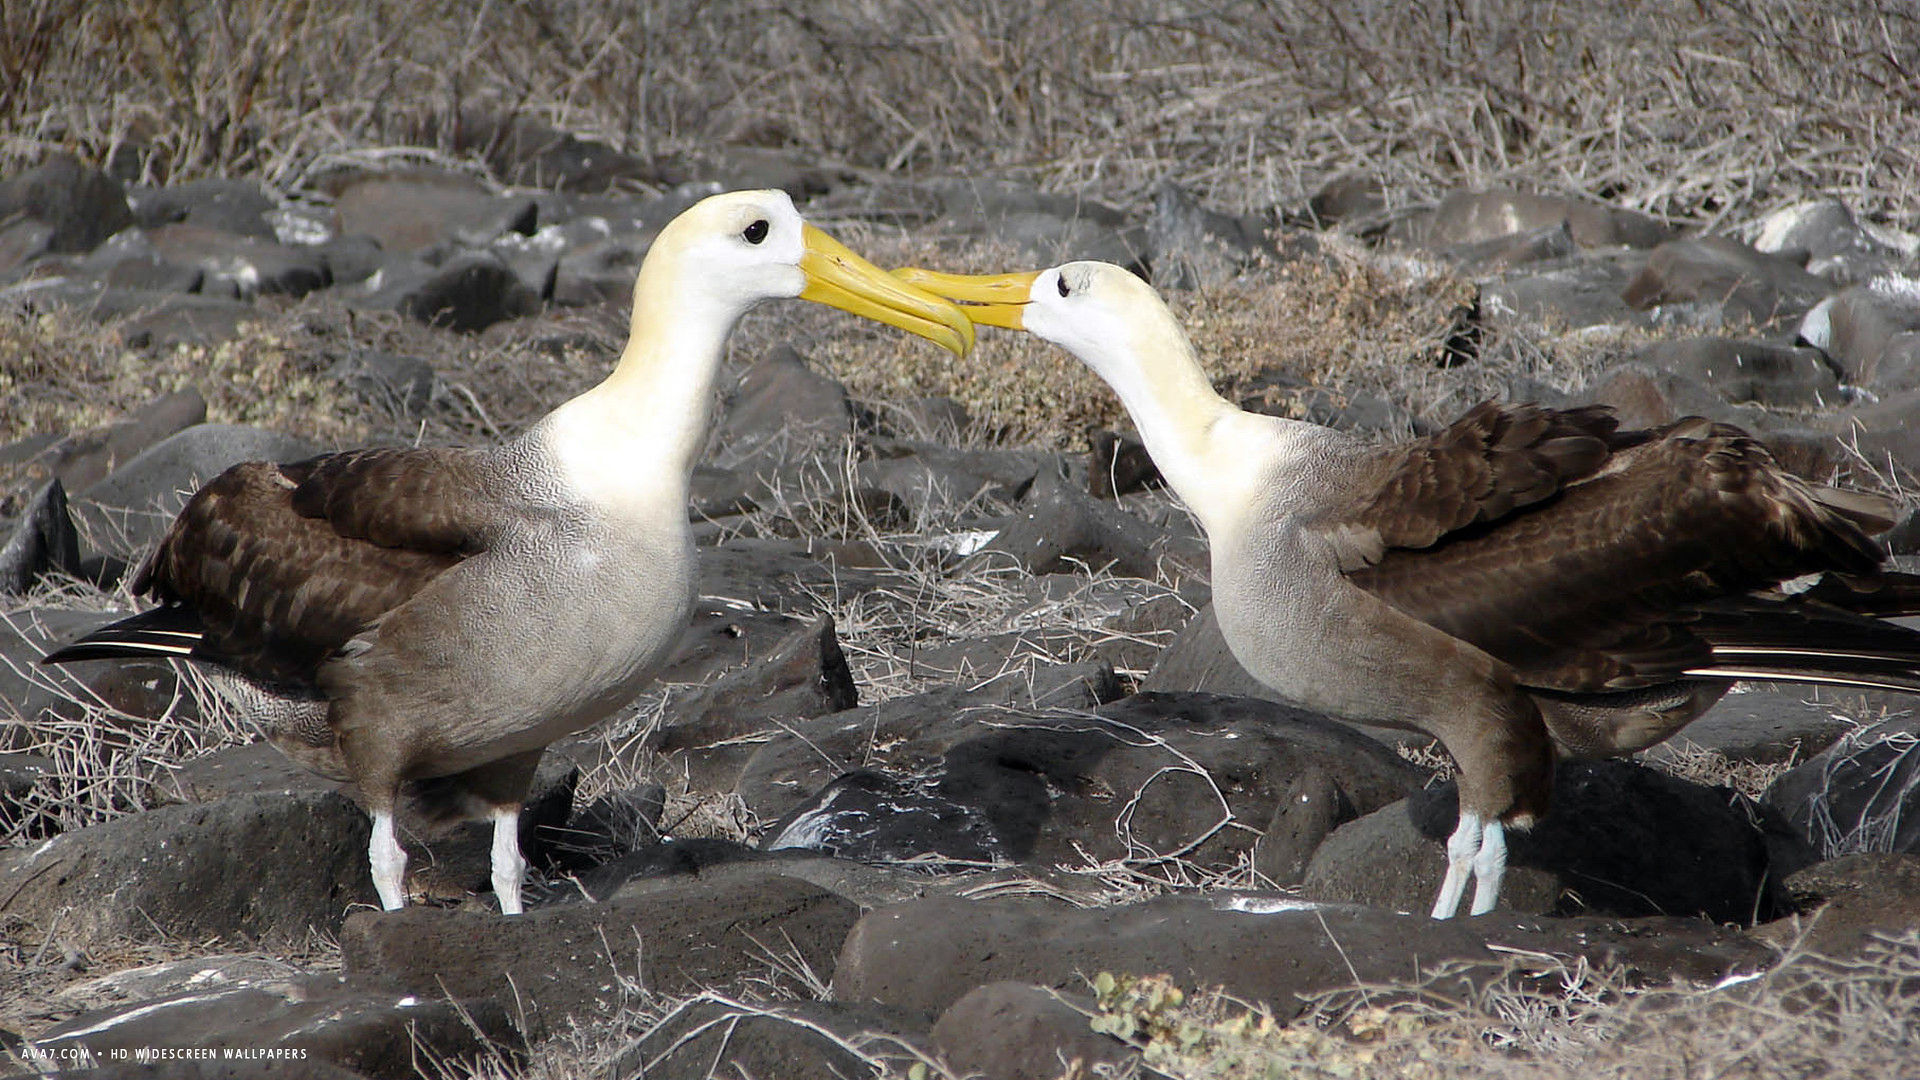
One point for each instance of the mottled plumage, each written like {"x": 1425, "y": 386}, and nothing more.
{"x": 434, "y": 618}
{"x": 1525, "y": 578}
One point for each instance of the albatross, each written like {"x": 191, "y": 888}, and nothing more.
{"x": 431, "y": 619}
{"x": 1525, "y": 582}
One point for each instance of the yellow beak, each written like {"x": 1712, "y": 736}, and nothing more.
{"x": 987, "y": 299}
{"x": 839, "y": 278}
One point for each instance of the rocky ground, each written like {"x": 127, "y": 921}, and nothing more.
{"x": 953, "y": 775}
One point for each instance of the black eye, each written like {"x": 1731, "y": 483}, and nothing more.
{"x": 1061, "y": 281}
{"x": 756, "y": 232}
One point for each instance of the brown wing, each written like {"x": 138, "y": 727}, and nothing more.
{"x": 1492, "y": 461}
{"x": 1598, "y": 588}
{"x": 285, "y": 563}
{"x": 419, "y": 500}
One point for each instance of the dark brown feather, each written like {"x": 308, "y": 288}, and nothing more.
{"x": 1492, "y": 461}
{"x": 394, "y": 497}
{"x": 1600, "y": 587}
{"x": 285, "y": 564}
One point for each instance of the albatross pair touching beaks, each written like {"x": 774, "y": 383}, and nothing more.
{"x": 437, "y": 617}
{"x": 1527, "y": 578}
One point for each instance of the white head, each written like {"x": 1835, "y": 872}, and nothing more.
{"x": 1101, "y": 313}
{"x": 1120, "y": 328}
{"x": 729, "y": 252}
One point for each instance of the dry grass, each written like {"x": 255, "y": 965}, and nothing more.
{"x": 1704, "y": 111}
{"x": 1808, "y": 1017}
{"x": 1697, "y": 110}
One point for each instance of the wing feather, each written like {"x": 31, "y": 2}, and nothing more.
{"x": 1494, "y": 460}
{"x": 1601, "y": 586}
{"x": 286, "y": 563}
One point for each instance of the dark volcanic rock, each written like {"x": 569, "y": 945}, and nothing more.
{"x": 83, "y": 206}
{"x": 871, "y": 816}
{"x": 1118, "y": 464}
{"x": 1384, "y": 860}
{"x": 22, "y": 242}
{"x": 600, "y": 271}
{"x": 1348, "y": 199}
{"x": 83, "y": 458}
{"x": 237, "y": 206}
{"x": 1471, "y": 217}
{"x": 1860, "y": 794}
{"x": 1766, "y": 726}
{"x": 788, "y": 769}
{"x": 716, "y": 1038}
{"x": 43, "y": 541}
{"x": 1046, "y": 228}
{"x": 1883, "y": 430}
{"x": 1619, "y": 839}
{"x": 927, "y": 954}
{"x": 1018, "y": 1031}
{"x": 139, "y": 688}
{"x": 527, "y": 153}
{"x": 403, "y": 383}
{"x": 240, "y": 266}
{"x": 242, "y": 770}
{"x": 1577, "y": 292}
{"x": 1310, "y": 809}
{"x": 1735, "y": 282}
{"x": 1872, "y": 332}
{"x": 780, "y": 399}
{"x": 673, "y": 936}
{"x": 157, "y": 320}
{"x": 1837, "y": 246}
{"x": 1060, "y": 526}
{"x": 370, "y": 1030}
{"x": 613, "y": 825}
{"x": 269, "y": 867}
{"x": 804, "y": 675}
{"x": 1190, "y": 246}
{"x": 410, "y": 212}
{"x": 1852, "y": 904}
{"x": 1199, "y": 661}
{"x": 1643, "y": 396}
{"x": 1777, "y": 376}
{"x": 469, "y": 291}
{"x": 927, "y": 475}
{"x": 1150, "y": 776}
{"x": 699, "y": 856}
{"x": 1497, "y": 253}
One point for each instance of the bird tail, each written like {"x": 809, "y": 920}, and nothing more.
{"x": 1833, "y": 634}
{"x": 170, "y": 630}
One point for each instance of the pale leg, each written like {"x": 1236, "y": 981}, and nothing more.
{"x": 1489, "y": 867}
{"x": 1462, "y": 846}
{"x": 389, "y": 862}
{"x": 509, "y": 868}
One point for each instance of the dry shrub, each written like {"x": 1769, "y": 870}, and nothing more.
{"x": 1808, "y": 1017}
{"x": 1689, "y": 109}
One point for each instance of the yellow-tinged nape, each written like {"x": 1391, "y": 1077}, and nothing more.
{"x": 706, "y": 269}
{"x": 1120, "y": 328}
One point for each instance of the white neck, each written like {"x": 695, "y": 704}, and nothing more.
{"x": 1188, "y": 428}
{"x": 634, "y": 438}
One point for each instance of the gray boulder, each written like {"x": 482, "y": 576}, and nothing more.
{"x": 367, "y": 1029}
{"x": 667, "y": 936}
{"x": 928, "y": 954}
{"x": 1619, "y": 839}
{"x": 82, "y": 206}
{"x": 265, "y": 867}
